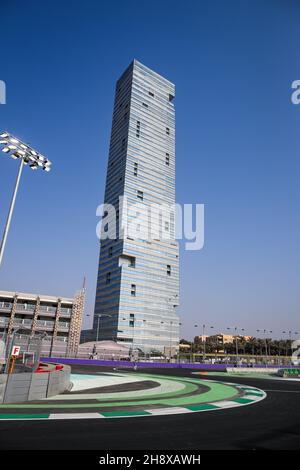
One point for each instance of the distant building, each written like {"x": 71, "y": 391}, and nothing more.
{"x": 59, "y": 318}
{"x": 184, "y": 347}
{"x": 200, "y": 338}
{"x": 221, "y": 339}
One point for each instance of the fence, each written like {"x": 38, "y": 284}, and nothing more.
{"x": 30, "y": 350}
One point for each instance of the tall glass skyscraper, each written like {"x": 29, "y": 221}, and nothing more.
{"x": 138, "y": 278}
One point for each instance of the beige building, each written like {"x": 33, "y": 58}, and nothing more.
{"x": 221, "y": 338}
{"x": 184, "y": 347}
{"x": 59, "y": 319}
{"x": 200, "y": 338}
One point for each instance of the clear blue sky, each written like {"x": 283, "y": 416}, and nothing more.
{"x": 237, "y": 144}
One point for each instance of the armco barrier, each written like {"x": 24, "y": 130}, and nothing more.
{"x": 27, "y": 386}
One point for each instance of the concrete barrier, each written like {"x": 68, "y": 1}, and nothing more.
{"x": 17, "y": 387}
{"x": 28, "y": 386}
{"x": 252, "y": 370}
{"x": 3, "y": 380}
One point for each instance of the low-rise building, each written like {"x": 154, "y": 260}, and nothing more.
{"x": 200, "y": 339}
{"x": 184, "y": 346}
{"x": 59, "y": 319}
{"x": 222, "y": 338}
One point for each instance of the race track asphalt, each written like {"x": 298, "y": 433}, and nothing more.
{"x": 271, "y": 424}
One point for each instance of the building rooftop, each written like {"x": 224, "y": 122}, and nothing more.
{"x": 28, "y": 296}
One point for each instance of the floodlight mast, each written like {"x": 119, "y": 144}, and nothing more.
{"x": 27, "y": 155}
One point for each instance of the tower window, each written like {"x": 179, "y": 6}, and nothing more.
{"x": 108, "y": 277}
{"x": 138, "y": 127}
{"x": 110, "y": 251}
{"x": 133, "y": 290}
{"x": 140, "y": 195}
{"x": 168, "y": 270}
{"x": 135, "y": 169}
{"x": 145, "y": 105}
{"x": 167, "y": 159}
{"x": 167, "y": 131}
{"x": 151, "y": 94}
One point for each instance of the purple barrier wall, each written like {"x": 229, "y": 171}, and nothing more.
{"x": 95, "y": 362}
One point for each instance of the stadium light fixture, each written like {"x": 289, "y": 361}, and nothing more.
{"x": 19, "y": 150}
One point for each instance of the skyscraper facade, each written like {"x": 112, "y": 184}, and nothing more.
{"x": 138, "y": 277}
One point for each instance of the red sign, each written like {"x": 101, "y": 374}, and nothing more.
{"x": 15, "y": 351}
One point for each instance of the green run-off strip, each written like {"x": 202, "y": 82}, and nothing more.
{"x": 23, "y": 416}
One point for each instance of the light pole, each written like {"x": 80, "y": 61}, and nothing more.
{"x": 132, "y": 346}
{"x": 100, "y": 315}
{"x": 171, "y": 326}
{"x": 133, "y": 326}
{"x": 27, "y": 155}
{"x": 266, "y": 347}
{"x": 290, "y": 332}
{"x": 235, "y": 328}
{"x": 204, "y": 339}
{"x": 266, "y": 344}
{"x": 171, "y": 336}
{"x": 170, "y": 299}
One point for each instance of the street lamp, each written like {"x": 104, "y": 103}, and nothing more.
{"x": 290, "y": 332}
{"x": 235, "y": 328}
{"x": 171, "y": 323}
{"x": 99, "y": 315}
{"x": 171, "y": 335}
{"x": 18, "y": 150}
{"x": 204, "y": 339}
{"x": 264, "y": 331}
{"x": 174, "y": 298}
{"x": 132, "y": 319}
